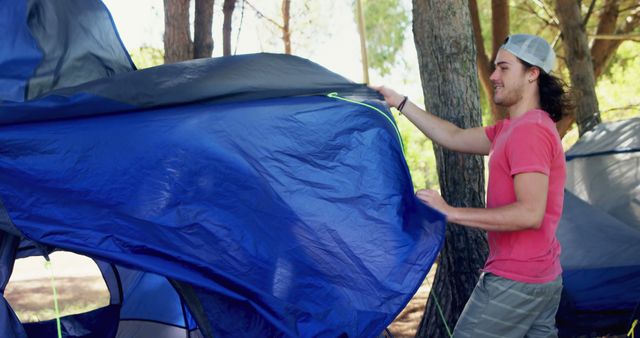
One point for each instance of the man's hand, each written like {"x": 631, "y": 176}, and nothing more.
{"x": 527, "y": 212}
{"x": 433, "y": 199}
{"x": 392, "y": 98}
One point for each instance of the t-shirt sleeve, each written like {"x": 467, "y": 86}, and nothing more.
{"x": 530, "y": 148}
{"x": 492, "y": 131}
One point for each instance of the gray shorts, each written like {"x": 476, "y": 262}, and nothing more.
{"x": 501, "y": 307}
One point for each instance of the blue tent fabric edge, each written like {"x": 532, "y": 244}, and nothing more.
{"x": 603, "y": 153}
{"x": 117, "y": 33}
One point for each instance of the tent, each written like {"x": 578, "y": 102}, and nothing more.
{"x": 255, "y": 195}
{"x": 600, "y": 232}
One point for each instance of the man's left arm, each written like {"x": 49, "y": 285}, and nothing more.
{"x": 527, "y": 212}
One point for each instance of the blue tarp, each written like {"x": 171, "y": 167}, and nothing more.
{"x": 289, "y": 212}
{"x": 301, "y": 207}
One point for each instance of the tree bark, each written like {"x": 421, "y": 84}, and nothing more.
{"x": 482, "y": 60}
{"x": 227, "y": 8}
{"x": 499, "y": 24}
{"x": 363, "y": 41}
{"x": 202, "y": 35}
{"x": 603, "y": 50}
{"x": 446, "y": 57}
{"x": 177, "y": 38}
{"x": 500, "y": 30}
{"x": 286, "y": 33}
{"x": 579, "y": 63}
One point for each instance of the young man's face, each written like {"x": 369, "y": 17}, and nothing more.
{"x": 508, "y": 79}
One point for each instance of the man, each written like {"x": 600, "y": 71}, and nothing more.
{"x": 519, "y": 290}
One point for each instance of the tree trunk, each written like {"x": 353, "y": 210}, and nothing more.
{"x": 565, "y": 124}
{"x": 363, "y": 41}
{"x": 286, "y": 33}
{"x": 446, "y": 56}
{"x": 499, "y": 24}
{"x": 607, "y": 25}
{"x": 579, "y": 63}
{"x": 203, "y": 40}
{"x": 228, "y": 8}
{"x": 177, "y": 39}
{"x": 500, "y": 31}
{"x": 603, "y": 50}
{"x": 482, "y": 60}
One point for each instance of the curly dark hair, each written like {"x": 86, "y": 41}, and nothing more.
{"x": 555, "y": 97}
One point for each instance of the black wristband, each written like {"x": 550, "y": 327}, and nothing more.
{"x": 401, "y": 105}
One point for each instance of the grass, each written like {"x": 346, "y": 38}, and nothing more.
{"x": 32, "y": 300}
{"x": 406, "y": 324}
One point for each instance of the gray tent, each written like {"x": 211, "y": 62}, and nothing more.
{"x": 600, "y": 231}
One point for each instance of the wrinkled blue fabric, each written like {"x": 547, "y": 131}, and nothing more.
{"x": 275, "y": 209}
{"x": 19, "y": 52}
{"x": 297, "y": 213}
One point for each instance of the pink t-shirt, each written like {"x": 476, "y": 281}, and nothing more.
{"x": 529, "y": 143}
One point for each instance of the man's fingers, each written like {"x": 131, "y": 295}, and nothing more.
{"x": 426, "y": 192}
{"x": 428, "y": 196}
{"x": 425, "y": 195}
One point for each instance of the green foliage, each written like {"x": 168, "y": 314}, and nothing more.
{"x": 485, "y": 108}
{"x": 385, "y": 24}
{"x": 419, "y": 155}
{"x": 619, "y": 88}
{"x": 484, "y": 12}
{"x": 145, "y": 57}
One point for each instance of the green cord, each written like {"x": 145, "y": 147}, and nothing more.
{"x": 336, "y": 96}
{"x": 633, "y": 329}
{"x": 441, "y": 313}
{"x": 48, "y": 266}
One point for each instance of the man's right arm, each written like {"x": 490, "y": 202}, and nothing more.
{"x": 445, "y": 133}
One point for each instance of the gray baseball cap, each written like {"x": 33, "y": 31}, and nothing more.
{"x": 532, "y": 49}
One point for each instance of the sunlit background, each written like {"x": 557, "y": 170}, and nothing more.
{"x": 322, "y": 31}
